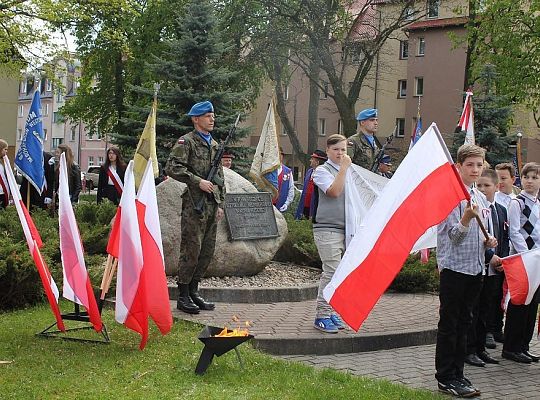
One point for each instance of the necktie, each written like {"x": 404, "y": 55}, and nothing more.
{"x": 494, "y": 220}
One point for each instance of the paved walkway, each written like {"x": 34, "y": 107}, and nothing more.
{"x": 393, "y": 327}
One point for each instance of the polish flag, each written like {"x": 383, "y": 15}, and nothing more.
{"x": 131, "y": 307}
{"x": 424, "y": 190}
{"x": 34, "y": 243}
{"x": 154, "y": 266}
{"x": 77, "y": 286}
{"x": 466, "y": 121}
{"x": 522, "y": 273}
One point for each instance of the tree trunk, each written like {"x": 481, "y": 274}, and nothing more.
{"x": 313, "y": 109}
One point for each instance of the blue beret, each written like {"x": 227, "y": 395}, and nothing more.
{"x": 367, "y": 114}
{"x": 201, "y": 108}
{"x": 386, "y": 159}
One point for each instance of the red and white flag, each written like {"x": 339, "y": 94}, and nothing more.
{"x": 77, "y": 285}
{"x": 466, "y": 121}
{"x": 131, "y": 309}
{"x": 157, "y": 293}
{"x": 423, "y": 191}
{"x": 34, "y": 243}
{"x": 522, "y": 272}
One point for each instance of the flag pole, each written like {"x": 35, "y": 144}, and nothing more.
{"x": 518, "y": 150}
{"x": 28, "y": 195}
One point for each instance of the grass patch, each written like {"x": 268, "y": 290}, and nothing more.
{"x": 44, "y": 368}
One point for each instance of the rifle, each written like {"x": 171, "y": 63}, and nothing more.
{"x": 216, "y": 162}
{"x": 380, "y": 154}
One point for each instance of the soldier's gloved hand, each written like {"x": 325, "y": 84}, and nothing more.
{"x": 283, "y": 208}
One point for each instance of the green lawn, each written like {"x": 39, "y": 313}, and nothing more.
{"x": 49, "y": 368}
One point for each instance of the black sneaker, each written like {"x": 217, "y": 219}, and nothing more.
{"x": 467, "y": 382}
{"x": 457, "y": 388}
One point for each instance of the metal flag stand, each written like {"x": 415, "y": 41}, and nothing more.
{"x": 77, "y": 315}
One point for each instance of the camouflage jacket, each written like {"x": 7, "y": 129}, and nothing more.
{"x": 361, "y": 152}
{"x": 190, "y": 161}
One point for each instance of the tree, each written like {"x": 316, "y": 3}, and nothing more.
{"x": 492, "y": 114}
{"x": 190, "y": 69}
{"x": 507, "y": 35}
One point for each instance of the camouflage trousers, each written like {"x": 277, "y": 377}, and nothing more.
{"x": 198, "y": 241}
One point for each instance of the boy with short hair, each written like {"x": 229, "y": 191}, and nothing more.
{"x": 488, "y": 304}
{"x": 460, "y": 258}
{"x": 506, "y": 172}
{"x": 524, "y": 219}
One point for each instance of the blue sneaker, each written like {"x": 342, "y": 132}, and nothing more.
{"x": 325, "y": 325}
{"x": 337, "y": 321}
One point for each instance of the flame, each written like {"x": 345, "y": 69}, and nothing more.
{"x": 236, "y": 331}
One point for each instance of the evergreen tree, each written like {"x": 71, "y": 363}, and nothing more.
{"x": 190, "y": 69}
{"x": 492, "y": 115}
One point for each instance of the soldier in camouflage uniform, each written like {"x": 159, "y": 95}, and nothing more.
{"x": 363, "y": 146}
{"x": 190, "y": 162}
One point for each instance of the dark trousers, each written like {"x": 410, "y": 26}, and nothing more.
{"x": 457, "y": 294}
{"x": 496, "y": 314}
{"x": 482, "y": 312}
{"x": 520, "y": 324}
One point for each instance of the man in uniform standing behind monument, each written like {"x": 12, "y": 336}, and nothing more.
{"x": 189, "y": 162}
{"x": 363, "y": 146}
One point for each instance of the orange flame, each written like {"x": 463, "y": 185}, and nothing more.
{"x": 236, "y": 331}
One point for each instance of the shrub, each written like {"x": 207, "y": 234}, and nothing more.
{"x": 20, "y": 284}
{"x": 416, "y": 277}
{"x": 299, "y": 246}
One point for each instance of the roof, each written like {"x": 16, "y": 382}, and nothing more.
{"x": 436, "y": 23}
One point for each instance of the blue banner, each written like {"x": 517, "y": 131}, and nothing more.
{"x": 29, "y": 157}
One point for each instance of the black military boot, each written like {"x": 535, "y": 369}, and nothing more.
{"x": 184, "y": 302}
{"x": 196, "y": 297}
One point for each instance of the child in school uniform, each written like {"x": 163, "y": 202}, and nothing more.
{"x": 524, "y": 220}
{"x": 460, "y": 258}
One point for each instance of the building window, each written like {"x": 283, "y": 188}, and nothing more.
{"x": 19, "y": 134}
{"x": 418, "y": 86}
{"x": 283, "y": 130}
{"x": 56, "y": 142}
{"x": 433, "y": 8}
{"x": 48, "y": 85}
{"x": 421, "y": 47}
{"x": 90, "y": 161}
{"x": 21, "y": 111}
{"x": 340, "y": 127}
{"x": 409, "y": 13}
{"x": 322, "y": 127}
{"x": 404, "y": 49}
{"x": 59, "y": 96}
{"x": 58, "y": 118}
{"x": 400, "y": 127}
{"x": 100, "y": 160}
{"x": 324, "y": 91}
{"x": 45, "y": 134}
{"x": 22, "y": 87}
{"x": 286, "y": 93}
{"x": 402, "y": 89}
{"x": 45, "y": 109}
{"x": 357, "y": 57}
{"x": 72, "y": 133}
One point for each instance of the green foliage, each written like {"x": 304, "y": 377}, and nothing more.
{"x": 416, "y": 277}
{"x": 507, "y": 35}
{"x": 299, "y": 246}
{"x": 20, "y": 284}
{"x": 164, "y": 370}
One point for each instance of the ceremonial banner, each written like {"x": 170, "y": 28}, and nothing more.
{"x": 266, "y": 160}
{"x": 146, "y": 149}
{"x": 29, "y": 157}
{"x": 466, "y": 121}
{"x": 33, "y": 240}
{"x": 522, "y": 272}
{"x": 157, "y": 293}
{"x": 427, "y": 176}
{"x": 131, "y": 307}
{"x": 77, "y": 285}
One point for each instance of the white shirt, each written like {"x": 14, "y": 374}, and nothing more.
{"x": 504, "y": 199}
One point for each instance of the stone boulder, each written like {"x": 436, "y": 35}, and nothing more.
{"x": 231, "y": 258}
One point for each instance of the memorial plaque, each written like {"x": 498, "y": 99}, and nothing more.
{"x": 250, "y": 216}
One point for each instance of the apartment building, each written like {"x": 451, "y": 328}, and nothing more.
{"x": 88, "y": 148}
